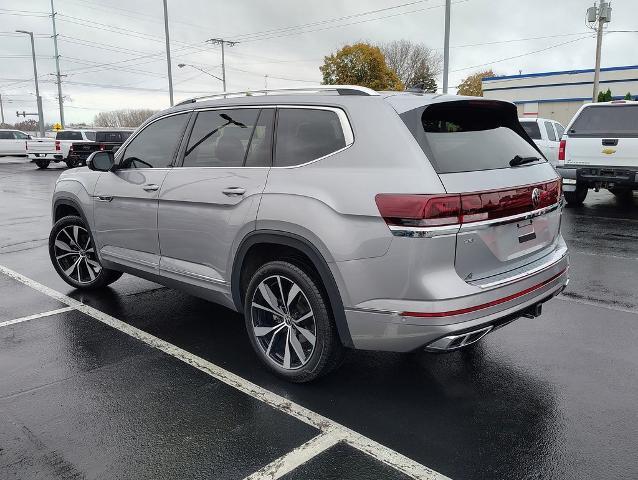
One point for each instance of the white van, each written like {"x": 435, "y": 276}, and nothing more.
{"x": 600, "y": 150}
{"x": 546, "y": 134}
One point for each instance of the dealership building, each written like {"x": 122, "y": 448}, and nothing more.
{"x": 558, "y": 95}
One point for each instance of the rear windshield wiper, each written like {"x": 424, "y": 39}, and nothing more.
{"x": 518, "y": 160}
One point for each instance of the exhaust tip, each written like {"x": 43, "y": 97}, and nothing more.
{"x": 452, "y": 342}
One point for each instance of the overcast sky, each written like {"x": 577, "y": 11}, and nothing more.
{"x": 128, "y": 36}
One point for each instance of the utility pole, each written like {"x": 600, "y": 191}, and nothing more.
{"x": 37, "y": 88}
{"x": 1, "y": 109}
{"x": 57, "y": 66}
{"x": 446, "y": 45}
{"x": 596, "y": 18}
{"x": 221, "y": 41}
{"x": 168, "y": 53}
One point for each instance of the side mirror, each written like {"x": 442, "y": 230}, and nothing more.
{"x": 101, "y": 161}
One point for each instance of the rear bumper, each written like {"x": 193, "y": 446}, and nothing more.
{"x": 402, "y": 331}
{"x": 56, "y": 157}
{"x": 598, "y": 176}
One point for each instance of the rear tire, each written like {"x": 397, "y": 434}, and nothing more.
{"x": 73, "y": 254}
{"x": 291, "y": 329}
{"x": 577, "y": 197}
{"x": 42, "y": 164}
{"x": 70, "y": 163}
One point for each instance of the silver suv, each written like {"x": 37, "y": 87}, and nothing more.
{"x": 333, "y": 218}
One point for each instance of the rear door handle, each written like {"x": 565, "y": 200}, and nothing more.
{"x": 230, "y": 191}
{"x": 151, "y": 187}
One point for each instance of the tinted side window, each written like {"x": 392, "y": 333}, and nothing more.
{"x": 90, "y": 136}
{"x": 6, "y": 136}
{"x": 532, "y": 130}
{"x": 559, "y": 130}
{"x": 305, "y": 134}
{"x": 220, "y": 138}
{"x": 113, "y": 137}
{"x": 550, "y": 131}
{"x": 20, "y": 135}
{"x": 155, "y": 146}
{"x": 68, "y": 136}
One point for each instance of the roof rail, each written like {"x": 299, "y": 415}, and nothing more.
{"x": 340, "y": 89}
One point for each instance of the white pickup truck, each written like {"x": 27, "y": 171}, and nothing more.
{"x": 43, "y": 151}
{"x": 600, "y": 150}
{"x": 546, "y": 134}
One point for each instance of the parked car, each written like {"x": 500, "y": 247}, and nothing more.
{"x": 343, "y": 218}
{"x": 13, "y": 142}
{"x": 546, "y": 134}
{"x": 43, "y": 151}
{"x": 600, "y": 150}
{"x": 105, "y": 140}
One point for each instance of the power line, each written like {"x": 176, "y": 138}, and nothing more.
{"x": 521, "y": 55}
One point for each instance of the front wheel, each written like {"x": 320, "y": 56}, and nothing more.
{"x": 73, "y": 255}
{"x": 289, "y": 323}
{"x": 42, "y": 164}
{"x": 576, "y": 197}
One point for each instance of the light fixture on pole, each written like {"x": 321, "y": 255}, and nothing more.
{"x": 37, "y": 88}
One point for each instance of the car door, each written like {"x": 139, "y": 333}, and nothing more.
{"x": 8, "y": 143}
{"x": 552, "y": 142}
{"x": 125, "y": 200}
{"x": 21, "y": 143}
{"x": 212, "y": 198}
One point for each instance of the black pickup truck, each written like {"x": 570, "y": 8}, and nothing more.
{"x": 105, "y": 140}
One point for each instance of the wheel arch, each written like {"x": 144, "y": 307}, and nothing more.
{"x": 65, "y": 205}
{"x": 319, "y": 263}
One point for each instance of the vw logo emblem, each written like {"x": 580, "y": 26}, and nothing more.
{"x": 536, "y": 197}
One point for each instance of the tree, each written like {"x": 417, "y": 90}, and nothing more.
{"x": 123, "y": 118}
{"x": 473, "y": 84}
{"x": 415, "y": 64}
{"x": 28, "y": 125}
{"x": 605, "y": 96}
{"x": 359, "y": 64}
{"x": 628, "y": 96}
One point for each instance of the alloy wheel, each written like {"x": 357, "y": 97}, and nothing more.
{"x": 75, "y": 255}
{"x": 283, "y": 322}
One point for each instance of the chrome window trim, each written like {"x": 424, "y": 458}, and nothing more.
{"x": 429, "y": 232}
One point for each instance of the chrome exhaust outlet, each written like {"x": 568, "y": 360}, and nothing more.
{"x": 452, "y": 342}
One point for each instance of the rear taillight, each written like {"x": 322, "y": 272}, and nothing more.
{"x": 57, "y": 146}
{"x": 561, "y": 150}
{"x": 406, "y": 210}
{"x": 419, "y": 210}
{"x": 102, "y": 147}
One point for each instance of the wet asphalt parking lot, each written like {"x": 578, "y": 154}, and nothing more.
{"x": 141, "y": 381}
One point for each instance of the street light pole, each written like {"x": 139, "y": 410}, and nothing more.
{"x": 168, "y": 54}
{"x": 182, "y": 65}
{"x": 446, "y": 45}
{"x": 57, "y": 66}
{"x": 37, "y": 88}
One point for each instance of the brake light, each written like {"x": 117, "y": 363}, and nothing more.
{"x": 419, "y": 210}
{"x": 408, "y": 210}
{"x": 57, "y": 146}
{"x": 561, "y": 150}
{"x": 102, "y": 147}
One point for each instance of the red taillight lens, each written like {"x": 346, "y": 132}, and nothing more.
{"x": 419, "y": 210}
{"x": 57, "y": 145}
{"x": 102, "y": 147}
{"x": 455, "y": 209}
{"x": 561, "y": 150}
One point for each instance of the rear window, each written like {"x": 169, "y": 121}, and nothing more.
{"x": 532, "y": 130}
{"x": 469, "y": 135}
{"x": 606, "y": 121}
{"x": 110, "y": 137}
{"x": 90, "y": 136}
{"x": 69, "y": 136}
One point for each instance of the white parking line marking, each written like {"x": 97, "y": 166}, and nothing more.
{"x": 33, "y": 317}
{"x": 382, "y": 453}
{"x": 296, "y": 457}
